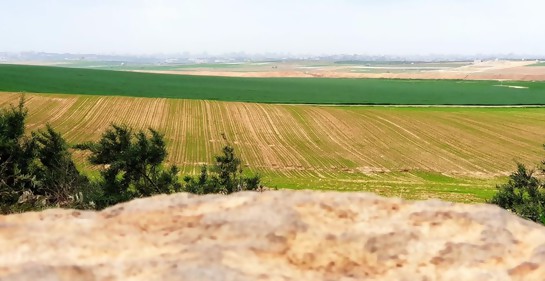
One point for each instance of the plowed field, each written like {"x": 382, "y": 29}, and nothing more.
{"x": 449, "y": 153}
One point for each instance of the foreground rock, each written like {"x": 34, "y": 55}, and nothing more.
{"x": 273, "y": 236}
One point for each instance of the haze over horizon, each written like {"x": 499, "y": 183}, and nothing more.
{"x": 392, "y": 27}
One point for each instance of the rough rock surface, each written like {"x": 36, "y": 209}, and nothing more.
{"x": 273, "y": 236}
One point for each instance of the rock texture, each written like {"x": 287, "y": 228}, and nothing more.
{"x": 273, "y": 236}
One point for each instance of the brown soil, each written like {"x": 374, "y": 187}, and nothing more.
{"x": 482, "y": 71}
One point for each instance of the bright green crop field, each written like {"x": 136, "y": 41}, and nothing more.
{"x": 46, "y": 79}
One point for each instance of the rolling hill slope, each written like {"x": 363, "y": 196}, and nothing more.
{"x": 450, "y": 153}
{"x": 44, "y": 79}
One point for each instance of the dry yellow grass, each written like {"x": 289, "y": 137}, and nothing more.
{"x": 451, "y": 153}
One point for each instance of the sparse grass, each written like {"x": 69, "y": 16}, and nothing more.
{"x": 41, "y": 79}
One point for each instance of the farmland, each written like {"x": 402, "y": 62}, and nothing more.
{"x": 450, "y": 153}
{"x": 540, "y": 63}
{"x": 42, "y": 79}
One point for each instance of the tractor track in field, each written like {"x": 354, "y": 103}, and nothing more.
{"x": 339, "y": 145}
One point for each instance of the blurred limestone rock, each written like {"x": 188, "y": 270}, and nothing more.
{"x": 275, "y": 235}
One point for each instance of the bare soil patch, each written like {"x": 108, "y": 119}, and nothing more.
{"x": 501, "y": 70}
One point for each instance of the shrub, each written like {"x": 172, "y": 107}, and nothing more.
{"x": 225, "y": 177}
{"x": 132, "y": 164}
{"x": 35, "y": 172}
{"x": 523, "y": 194}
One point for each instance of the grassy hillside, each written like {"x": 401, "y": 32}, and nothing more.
{"x": 42, "y": 79}
{"x": 451, "y": 153}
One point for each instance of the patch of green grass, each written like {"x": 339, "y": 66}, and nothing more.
{"x": 436, "y": 177}
{"x": 41, "y": 79}
{"x": 433, "y": 186}
{"x": 538, "y": 64}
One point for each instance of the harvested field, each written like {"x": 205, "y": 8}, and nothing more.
{"x": 490, "y": 70}
{"x": 450, "y": 153}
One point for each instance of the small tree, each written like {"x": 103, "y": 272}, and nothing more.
{"x": 226, "y": 178}
{"x": 201, "y": 184}
{"x": 37, "y": 171}
{"x": 17, "y": 155}
{"x": 132, "y": 164}
{"x": 523, "y": 194}
{"x": 229, "y": 170}
{"x": 60, "y": 181}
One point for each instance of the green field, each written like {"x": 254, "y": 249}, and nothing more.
{"x": 42, "y": 79}
{"x": 452, "y": 153}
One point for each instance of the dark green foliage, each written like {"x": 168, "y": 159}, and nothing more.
{"x": 523, "y": 194}
{"x": 132, "y": 163}
{"x": 228, "y": 169}
{"x": 17, "y": 155}
{"x": 96, "y": 197}
{"x": 38, "y": 172}
{"x": 35, "y": 172}
{"x": 43, "y": 79}
{"x": 16, "y": 151}
{"x": 60, "y": 181}
{"x": 252, "y": 182}
{"x": 225, "y": 178}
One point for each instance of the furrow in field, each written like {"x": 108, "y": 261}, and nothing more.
{"x": 369, "y": 138}
{"x": 72, "y": 123}
{"x": 418, "y": 152}
{"x": 270, "y": 125}
{"x": 67, "y": 122}
{"x": 9, "y": 98}
{"x": 207, "y": 127}
{"x": 429, "y": 156}
{"x": 344, "y": 148}
{"x": 446, "y": 140}
{"x": 185, "y": 129}
{"x": 337, "y": 138}
{"x": 268, "y": 135}
{"x": 398, "y": 147}
{"x": 310, "y": 144}
{"x": 172, "y": 131}
{"x": 468, "y": 143}
{"x": 259, "y": 146}
{"x": 498, "y": 154}
{"x": 290, "y": 130}
{"x": 501, "y": 131}
{"x": 254, "y": 147}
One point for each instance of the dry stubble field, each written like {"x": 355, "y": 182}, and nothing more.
{"x": 450, "y": 153}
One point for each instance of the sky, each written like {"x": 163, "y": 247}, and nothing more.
{"x": 314, "y": 27}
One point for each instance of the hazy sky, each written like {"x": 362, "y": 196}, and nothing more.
{"x": 405, "y": 27}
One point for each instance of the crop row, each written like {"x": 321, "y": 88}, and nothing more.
{"x": 353, "y": 148}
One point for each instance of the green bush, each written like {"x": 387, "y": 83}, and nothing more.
{"x": 225, "y": 177}
{"x": 523, "y": 194}
{"x": 35, "y": 172}
{"x": 132, "y": 164}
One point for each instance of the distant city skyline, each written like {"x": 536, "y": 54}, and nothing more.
{"x": 313, "y": 28}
